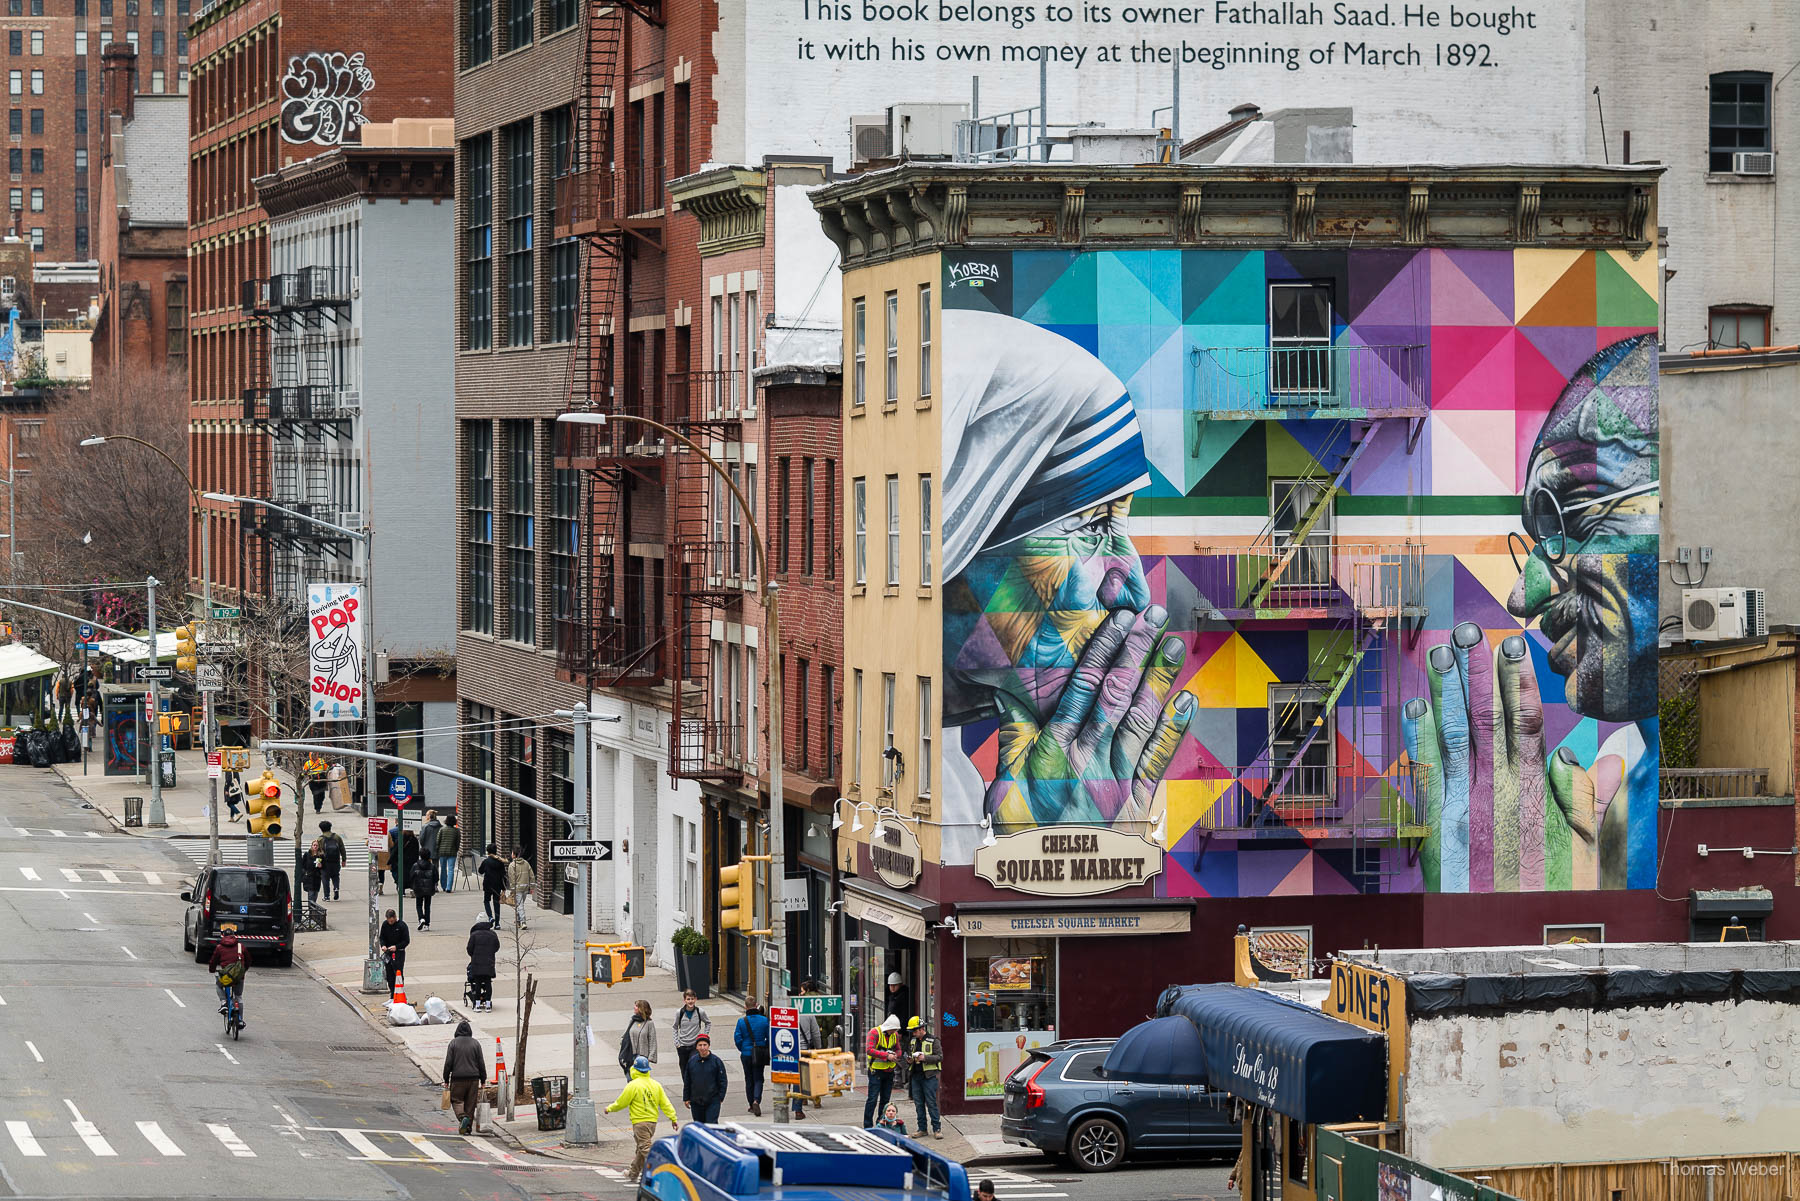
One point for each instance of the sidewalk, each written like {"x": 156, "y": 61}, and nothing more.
{"x": 436, "y": 966}
{"x": 184, "y": 806}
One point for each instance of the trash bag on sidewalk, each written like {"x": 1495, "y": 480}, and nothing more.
{"x": 437, "y": 1012}
{"x": 37, "y": 748}
{"x": 401, "y": 1014}
{"x": 71, "y": 745}
{"x": 22, "y": 743}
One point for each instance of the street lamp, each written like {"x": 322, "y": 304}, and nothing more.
{"x": 210, "y": 733}
{"x": 374, "y": 979}
{"x": 771, "y": 605}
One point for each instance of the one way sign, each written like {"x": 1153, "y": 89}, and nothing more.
{"x": 575, "y": 852}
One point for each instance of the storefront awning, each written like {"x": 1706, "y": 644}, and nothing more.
{"x": 134, "y": 650}
{"x": 1278, "y": 1053}
{"x": 868, "y": 902}
{"x": 20, "y": 662}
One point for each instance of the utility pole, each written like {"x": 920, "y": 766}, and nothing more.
{"x": 583, "y": 1123}
{"x": 777, "y": 890}
{"x": 206, "y": 696}
{"x": 157, "y": 817}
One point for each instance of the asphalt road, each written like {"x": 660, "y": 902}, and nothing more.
{"x": 116, "y": 1080}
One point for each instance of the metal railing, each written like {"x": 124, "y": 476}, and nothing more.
{"x": 703, "y": 748}
{"x": 1317, "y": 796}
{"x": 586, "y": 195}
{"x": 321, "y": 286}
{"x": 1343, "y": 378}
{"x": 706, "y": 395}
{"x": 1708, "y": 783}
{"x": 1382, "y": 579}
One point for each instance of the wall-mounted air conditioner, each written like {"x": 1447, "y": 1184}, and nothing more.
{"x": 868, "y": 138}
{"x": 1753, "y": 162}
{"x": 1723, "y": 614}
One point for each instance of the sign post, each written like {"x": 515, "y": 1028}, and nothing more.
{"x": 586, "y": 851}
{"x": 784, "y": 1046}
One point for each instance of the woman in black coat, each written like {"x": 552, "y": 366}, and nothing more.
{"x": 483, "y": 946}
{"x": 422, "y": 875}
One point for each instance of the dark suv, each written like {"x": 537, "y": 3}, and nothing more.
{"x": 1061, "y": 1102}
{"x": 254, "y": 903}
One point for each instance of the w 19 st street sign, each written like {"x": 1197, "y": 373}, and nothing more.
{"x": 577, "y": 852}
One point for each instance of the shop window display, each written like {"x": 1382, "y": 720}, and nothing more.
{"x": 1011, "y": 1008}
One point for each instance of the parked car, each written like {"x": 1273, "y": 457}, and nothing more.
{"x": 1061, "y": 1101}
{"x": 255, "y": 903}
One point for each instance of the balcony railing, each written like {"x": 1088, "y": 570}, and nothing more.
{"x": 707, "y": 395}
{"x": 582, "y": 198}
{"x": 706, "y": 749}
{"x": 1318, "y": 797}
{"x": 1376, "y": 579}
{"x": 1332, "y": 381}
{"x": 1711, "y": 783}
{"x": 324, "y": 287}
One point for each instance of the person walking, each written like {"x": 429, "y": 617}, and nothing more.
{"x": 393, "y": 941}
{"x": 312, "y": 872}
{"x": 428, "y": 842}
{"x": 639, "y": 1039}
{"x": 493, "y": 883}
{"x": 809, "y": 1041}
{"x": 234, "y": 795}
{"x": 520, "y": 880}
{"x": 923, "y": 1063}
{"x": 482, "y": 948}
{"x": 423, "y": 878}
{"x": 449, "y": 843}
{"x": 883, "y": 1050}
{"x": 703, "y": 1081}
{"x": 691, "y": 1023}
{"x": 752, "y": 1039}
{"x": 313, "y": 772}
{"x": 465, "y": 1070}
{"x": 644, "y": 1099}
{"x": 899, "y": 998}
{"x": 409, "y": 842}
{"x": 332, "y": 854}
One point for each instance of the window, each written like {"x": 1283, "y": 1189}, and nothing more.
{"x": 807, "y": 539}
{"x": 856, "y": 728}
{"x": 829, "y": 525}
{"x": 81, "y": 8}
{"x": 37, "y": 82}
{"x": 37, "y": 200}
{"x": 736, "y": 335}
{"x": 175, "y": 305}
{"x": 803, "y": 698}
{"x": 1011, "y": 999}
{"x": 1559, "y": 934}
{"x": 31, "y": 434}
{"x": 520, "y": 557}
{"x": 750, "y": 739}
{"x": 518, "y": 234}
{"x": 81, "y": 200}
{"x": 16, "y": 202}
{"x": 37, "y": 121}
{"x": 106, "y": 8}
{"x": 81, "y": 241}
{"x": 924, "y": 340}
{"x": 1294, "y": 505}
{"x": 565, "y": 533}
{"x": 81, "y": 158}
{"x": 518, "y": 23}
{"x": 131, "y": 38}
{"x": 893, "y": 531}
{"x": 480, "y": 760}
{"x": 80, "y": 82}
{"x": 565, "y": 255}
{"x": 1739, "y": 118}
{"x": 15, "y": 8}
{"x": 859, "y": 352}
{"x": 887, "y": 727}
{"x": 37, "y": 41}
{"x": 478, "y": 244}
{"x": 827, "y": 700}
{"x": 81, "y": 41}
{"x": 679, "y": 121}
{"x": 158, "y": 42}
{"x": 1293, "y": 711}
{"x": 37, "y": 8}
{"x": 478, "y": 33}
{"x": 924, "y": 531}
{"x": 37, "y": 160}
{"x": 15, "y": 82}
{"x": 859, "y": 503}
{"x": 927, "y": 719}
{"x": 1730, "y": 326}
{"x": 892, "y": 314}
{"x": 479, "y": 466}
{"x": 562, "y": 14}
{"x": 784, "y": 467}
{"x": 15, "y": 41}
{"x": 15, "y": 121}
{"x": 81, "y": 120}
{"x": 15, "y": 160}
{"x": 1300, "y": 337}
{"x": 37, "y": 237}
{"x": 156, "y": 8}
{"x": 157, "y": 82}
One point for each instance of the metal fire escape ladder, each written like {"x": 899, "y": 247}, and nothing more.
{"x": 1361, "y": 433}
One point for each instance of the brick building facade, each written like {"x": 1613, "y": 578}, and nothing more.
{"x": 393, "y": 61}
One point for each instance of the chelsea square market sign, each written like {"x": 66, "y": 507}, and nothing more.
{"x": 1069, "y": 861}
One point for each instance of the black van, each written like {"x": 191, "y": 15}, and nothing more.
{"x": 255, "y": 903}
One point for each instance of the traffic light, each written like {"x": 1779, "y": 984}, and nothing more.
{"x": 187, "y": 653}
{"x": 611, "y": 963}
{"x": 737, "y": 895}
{"x": 263, "y": 800}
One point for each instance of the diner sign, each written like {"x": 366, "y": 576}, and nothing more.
{"x": 1069, "y": 861}
{"x": 1071, "y": 922}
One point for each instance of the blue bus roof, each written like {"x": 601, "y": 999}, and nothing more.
{"x": 732, "y": 1160}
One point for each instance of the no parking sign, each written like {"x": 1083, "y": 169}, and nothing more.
{"x": 784, "y": 1046}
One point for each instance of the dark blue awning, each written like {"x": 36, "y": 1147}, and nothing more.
{"x": 1159, "y": 1051}
{"x": 1279, "y": 1053}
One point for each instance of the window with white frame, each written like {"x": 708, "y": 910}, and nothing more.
{"x": 924, "y": 340}
{"x": 891, "y": 305}
{"x": 925, "y": 531}
{"x": 923, "y": 767}
{"x": 887, "y": 729}
{"x": 859, "y": 507}
{"x": 736, "y": 334}
{"x": 751, "y": 744}
{"x": 893, "y": 531}
{"x": 859, "y": 343}
{"x": 736, "y": 742}
{"x": 856, "y": 727}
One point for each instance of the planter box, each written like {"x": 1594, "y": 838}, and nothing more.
{"x": 695, "y": 972}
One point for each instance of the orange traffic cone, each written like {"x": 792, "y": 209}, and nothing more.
{"x": 499, "y": 1059}
{"x": 400, "y": 989}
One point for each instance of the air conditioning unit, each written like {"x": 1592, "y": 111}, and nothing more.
{"x": 1723, "y": 614}
{"x": 1753, "y": 162}
{"x": 868, "y": 138}
{"x": 924, "y": 129}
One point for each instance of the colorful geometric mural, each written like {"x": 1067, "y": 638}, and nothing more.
{"x": 1331, "y": 571}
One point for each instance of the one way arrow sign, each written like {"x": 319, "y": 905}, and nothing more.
{"x": 576, "y": 852}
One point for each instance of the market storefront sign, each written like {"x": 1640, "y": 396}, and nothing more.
{"x": 1069, "y": 861}
{"x": 1076, "y": 921}
{"x": 901, "y": 922}
{"x": 894, "y": 853}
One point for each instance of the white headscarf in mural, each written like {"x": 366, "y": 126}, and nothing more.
{"x": 1036, "y": 429}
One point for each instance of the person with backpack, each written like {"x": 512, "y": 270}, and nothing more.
{"x": 230, "y": 963}
{"x": 752, "y": 1039}
{"x": 465, "y": 1069}
{"x": 639, "y": 1040}
{"x": 691, "y": 1024}
{"x": 332, "y": 854}
{"x": 422, "y": 875}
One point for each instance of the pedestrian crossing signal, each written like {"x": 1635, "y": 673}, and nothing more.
{"x": 263, "y": 801}
{"x": 611, "y": 963}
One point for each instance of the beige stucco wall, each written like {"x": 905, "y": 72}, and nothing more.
{"x": 899, "y": 629}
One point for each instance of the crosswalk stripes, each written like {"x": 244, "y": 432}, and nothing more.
{"x": 34, "y": 832}
{"x": 234, "y": 852}
{"x": 232, "y": 1142}
{"x": 90, "y": 1133}
{"x": 153, "y": 1133}
{"x": 101, "y": 875}
{"x": 24, "y": 1139}
{"x": 1017, "y": 1184}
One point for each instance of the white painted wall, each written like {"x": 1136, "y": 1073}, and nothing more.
{"x": 1574, "y": 1085}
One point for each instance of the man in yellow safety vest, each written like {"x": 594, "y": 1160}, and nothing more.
{"x": 883, "y": 1050}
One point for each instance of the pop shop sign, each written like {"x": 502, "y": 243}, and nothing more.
{"x": 336, "y": 651}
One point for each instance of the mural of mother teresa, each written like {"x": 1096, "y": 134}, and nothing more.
{"x": 1048, "y": 625}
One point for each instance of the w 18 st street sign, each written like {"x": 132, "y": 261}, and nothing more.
{"x": 576, "y": 852}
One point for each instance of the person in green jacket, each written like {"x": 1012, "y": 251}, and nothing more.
{"x": 644, "y": 1098}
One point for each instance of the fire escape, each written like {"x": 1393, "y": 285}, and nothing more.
{"x": 613, "y": 199}
{"x": 296, "y": 396}
{"x": 1330, "y": 769}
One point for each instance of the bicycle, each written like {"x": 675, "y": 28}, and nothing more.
{"x": 234, "y": 1013}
